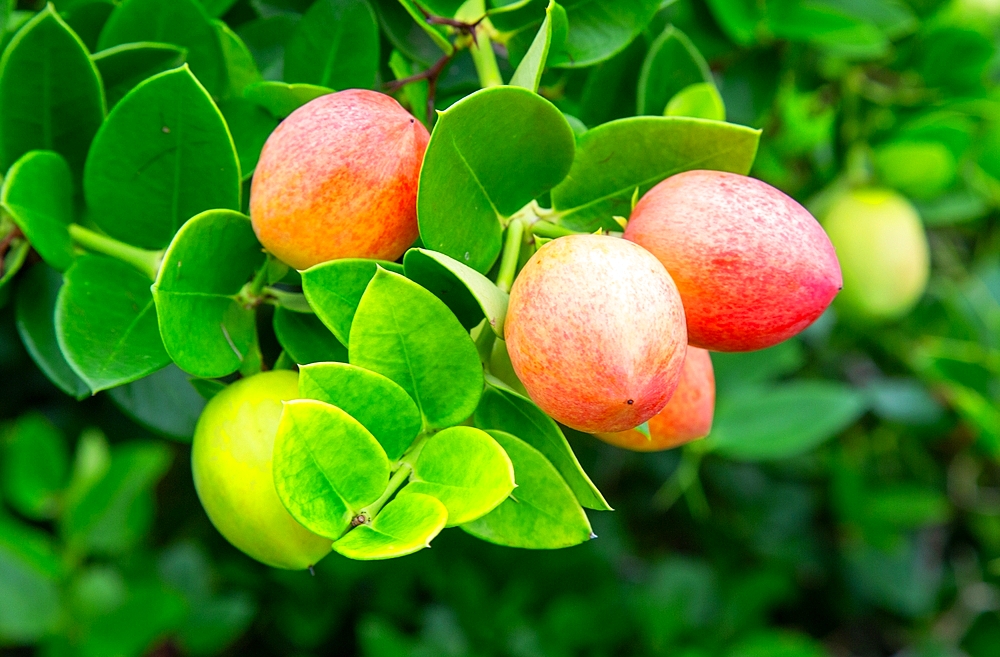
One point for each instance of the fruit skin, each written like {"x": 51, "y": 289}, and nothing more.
{"x": 595, "y": 332}
{"x": 338, "y": 179}
{"x": 686, "y": 417}
{"x": 752, "y": 265}
{"x": 232, "y": 466}
{"x": 882, "y": 246}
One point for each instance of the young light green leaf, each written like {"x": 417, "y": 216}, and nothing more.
{"x": 699, "y": 101}
{"x": 35, "y": 466}
{"x": 671, "y": 64}
{"x": 250, "y": 125}
{"x": 327, "y": 467}
{"x": 30, "y": 575}
{"x": 505, "y": 410}
{"x": 615, "y": 158}
{"x": 37, "y": 193}
{"x": 106, "y": 323}
{"x": 282, "y": 99}
{"x": 304, "y": 337}
{"x": 469, "y": 294}
{"x": 407, "y": 334}
{"x": 541, "y": 513}
{"x": 334, "y": 290}
{"x": 336, "y": 44}
{"x": 125, "y": 66}
{"x": 407, "y": 524}
{"x": 491, "y": 153}
{"x": 206, "y": 329}
{"x": 466, "y": 469}
{"x": 529, "y": 72}
{"x": 376, "y": 402}
{"x": 50, "y": 93}
{"x": 165, "y": 402}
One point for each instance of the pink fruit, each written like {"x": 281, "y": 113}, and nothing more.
{"x": 595, "y": 331}
{"x": 338, "y": 179}
{"x": 753, "y": 266}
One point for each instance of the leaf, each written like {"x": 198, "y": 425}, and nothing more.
{"x": 181, "y": 22}
{"x": 35, "y": 308}
{"x": 615, "y": 158}
{"x": 165, "y": 148}
{"x": 266, "y": 38}
{"x": 919, "y": 169}
{"x": 13, "y": 259}
{"x": 50, "y": 93}
{"x": 466, "y": 470}
{"x": 407, "y": 334}
{"x": 106, "y": 323}
{"x": 327, "y": 467}
{"x": 37, "y": 193}
{"x": 334, "y": 290}
{"x": 217, "y": 7}
{"x": 336, "y": 44}
{"x": 490, "y": 154}
{"x": 505, "y": 410}
{"x": 30, "y": 574}
{"x": 761, "y": 424}
{"x": 406, "y": 525}
{"x": 207, "y": 329}
{"x": 699, "y": 101}
{"x": 164, "y": 402}
{"x": 304, "y": 337}
{"x": 671, "y": 64}
{"x": 411, "y": 35}
{"x": 241, "y": 70}
{"x": 125, "y": 66}
{"x": 35, "y": 466}
{"x": 541, "y": 513}
{"x": 250, "y": 126}
{"x": 529, "y": 72}
{"x": 282, "y": 99}
{"x": 380, "y": 405}
{"x": 87, "y": 19}
{"x": 468, "y": 294}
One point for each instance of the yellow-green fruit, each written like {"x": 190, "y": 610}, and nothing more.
{"x": 231, "y": 462}
{"x": 883, "y": 253}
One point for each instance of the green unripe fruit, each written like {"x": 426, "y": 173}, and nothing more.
{"x": 231, "y": 459}
{"x": 883, "y": 253}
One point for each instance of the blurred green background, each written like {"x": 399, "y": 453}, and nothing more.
{"x": 863, "y": 519}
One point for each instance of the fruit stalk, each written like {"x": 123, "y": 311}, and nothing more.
{"x": 511, "y": 252}
{"x": 148, "y": 262}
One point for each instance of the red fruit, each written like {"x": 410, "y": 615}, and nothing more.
{"x": 338, "y": 179}
{"x": 752, "y": 265}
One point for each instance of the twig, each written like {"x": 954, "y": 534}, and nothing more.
{"x": 429, "y": 74}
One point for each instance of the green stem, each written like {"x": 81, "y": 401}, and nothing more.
{"x": 543, "y": 228}
{"x": 396, "y": 482}
{"x": 293, "y": 301}
{"x": 484, "y": 344}
{"x": 260, "y": 278}
{"x": 681, "y": 481}
{"x": 511, "y": 252}
{"x": 148, "y": 262}
{"x": 485, "y": 60}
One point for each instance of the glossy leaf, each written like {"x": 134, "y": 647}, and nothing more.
{"x": 250, "y": 126}
{"x": 206, "y": 328}
{"x": 124, "y": 66}
{"x": 336, "y": 44}
{"x": 164, "y": 402}
{"x": 469, "y": 294}
{"x": 282, "y": 99}
{"x": 87, "y": 18}
{"x": 407, "y": 334}
{"x": 541, "y": 513}
{"x": 334, "y": 290}
{"x": 50, "y": 93}
{"x": 37, "y": 194}
{"x": 30, "y": 575}
{"x": 466, "y": 470}
{"x": 376, "y": 402}
{"x": 266, "y": 38}
{"x": 106, "y": 323}
{"x": 505, "y": 410}
{"x": 327, "y": 467}
{"x": 529, "y": 71}
{"x": 489, "y": 155}
{"x": 699, "y": 101}
{"x": 304, "y": 337}
{"x": 671, "y": 64}
{"x": 35, "y": 466}
{"x": 407, "y": 524}
{"x": 614, "y": 159}
{"x": 409, "y": 33}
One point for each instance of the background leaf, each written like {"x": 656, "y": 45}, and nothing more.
{"x": 35, "y": 466}
{"x": 165, "y": 402}
{"x": 29, "y": 583}
{"x": 304, "y": 337}
{"x": 336, "y": 44}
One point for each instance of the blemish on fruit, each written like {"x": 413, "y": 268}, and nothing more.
{"x": 630, "y": 402}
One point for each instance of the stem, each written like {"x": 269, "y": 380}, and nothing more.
{"x": 511, "y": 252}
{"x": 484, "y": 344}
{"x": 148, "y": 262}
{"x": 396, "y": 482}
{"x": 683, "y": 478}
{"x": 486, "y": 61}
{"x": 259, "y": 279}
{"x": 293, "y": 301}
{"x": 548, "y": 229}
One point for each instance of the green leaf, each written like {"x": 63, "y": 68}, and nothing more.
{"x": 35, "y": 466}
{"x": 35, "y": 308}
{"x": 466, "y": 470}
{"x": 761, "y": 424}
{"x": 241, "y": 70}
{"x": 541, "y": 513}
{"x": 207, "y": 329}
{"x": 411, "y": 35}
{"x": 37, "y": 193}
{"x": 529, "y": 72}
{"x": 125, "y": 66}
{"x": 266, "y": 38}
{"x": 336, "y": 44}
{"x": 50, "y": 93}
{"x": 671, "y": 64}
{"x": 30, "y": 574}
{"x": 376, "y": 402}
{"x": 699, "y": 101}
{"x": 334, "y": 290}
{"x": 217, "y": 7}
{"x": 106, "y": 323}
{"x": 490, "y": 154}
{"x": 615, "y": 158}
{"x": 407, "y": 334}
{"x": 165, "y": 149}
{"x": 304, "y": 337}
{"x": 505, "y": 410}
{"x": 87, "y": 19}
{"x": 13, "y": 259}
{"x": 165, "y": 402}
{"x": 250, "y": 126}
{"x": 469, "y": 294}
{"x": 407, "y": 524}
{"x": 282, "y": 99}
{"x": 180, "y": 22}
